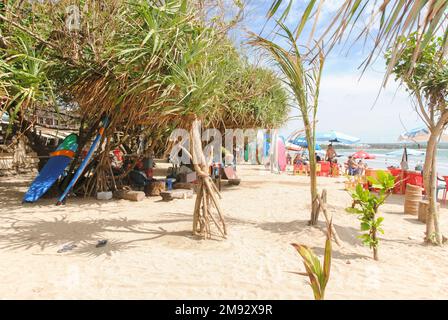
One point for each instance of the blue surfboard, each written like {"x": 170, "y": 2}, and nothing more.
{"x": 82, "y": 167}
{"x": 59, "y": 160}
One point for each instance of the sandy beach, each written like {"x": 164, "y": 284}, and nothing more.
{"x": 152, "y": 255}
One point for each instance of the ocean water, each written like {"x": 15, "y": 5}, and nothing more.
{"x": 382, "y": 161}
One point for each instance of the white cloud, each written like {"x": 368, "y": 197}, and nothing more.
{"x": 348, "y": 105}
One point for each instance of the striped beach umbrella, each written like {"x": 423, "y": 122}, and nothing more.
{"x": 420, "y": 134}
{"x": 363, "y": 155}
{"x": 337, "y": 137}
{"x": 409, "y": 152}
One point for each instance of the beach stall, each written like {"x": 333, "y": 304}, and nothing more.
{"x": 403, "y": 175}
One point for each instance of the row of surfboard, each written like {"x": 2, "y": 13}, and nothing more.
{"x": 59, "y": 160}
{"x": 257, "y": 152}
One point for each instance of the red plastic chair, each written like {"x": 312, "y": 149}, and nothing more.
{"x": 419, "y": 181}
{"x": 445, "y": 191}
{"x": 325, "y": 168}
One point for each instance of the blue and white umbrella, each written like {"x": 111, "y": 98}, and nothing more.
{"x": 410, "y": 152}
{"x": 420, "y": 134}
{"x": 337, "y": 137}
{"x": 301, "y": 142}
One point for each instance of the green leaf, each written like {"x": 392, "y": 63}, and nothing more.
{"x": 365, "y": 226}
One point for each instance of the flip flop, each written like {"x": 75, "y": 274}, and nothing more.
{"x": 101, "y": 243}
{"x": 67, "y": 247}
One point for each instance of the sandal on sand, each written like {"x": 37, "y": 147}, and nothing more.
{"x": 67, "y": 247}
{"x": 101, "y": 243}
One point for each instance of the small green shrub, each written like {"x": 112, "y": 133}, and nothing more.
{"x": 366, "y": 205}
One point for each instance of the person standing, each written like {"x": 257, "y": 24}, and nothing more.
{"x": 330, "y": 155}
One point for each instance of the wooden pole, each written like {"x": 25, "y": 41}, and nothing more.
{"x": 323, "y": 206}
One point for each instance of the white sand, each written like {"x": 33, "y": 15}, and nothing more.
{"x": 152, "y": 255}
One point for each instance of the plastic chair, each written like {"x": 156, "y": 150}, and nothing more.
{"x": 335, "y": 171}
{"x": 445, "y": 191}
{"x": 325, "y": 168}
{"x": 319, "y": 169}
{"x": 296, "y": 169}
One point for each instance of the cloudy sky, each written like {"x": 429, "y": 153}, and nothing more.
{"x": 350, "y": 102}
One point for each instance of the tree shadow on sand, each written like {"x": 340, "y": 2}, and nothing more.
{"x": 340, "y": 254}
{"x": 113, "y": 246}
{"x": 27, "y": 234}
{"x": 346, "y": 234}
{"x": 10, "y": 193}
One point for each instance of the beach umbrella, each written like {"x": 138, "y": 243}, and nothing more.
{"x": 409, "y": 152}
{"x": 363, "y": 155}
{"x": 337, "y": 137}
{"x": 293, "y": 147}
{"x": 404, "y": 159}
{"x": 301, "y": 142}
{"x": 420, "y": 134}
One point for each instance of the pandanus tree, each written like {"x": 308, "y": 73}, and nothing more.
{"x": 302, "y": 75}
{"x": 151, "y": 66}
{"x": 427, "y": 82}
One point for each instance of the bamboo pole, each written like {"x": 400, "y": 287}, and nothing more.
{"x": 328, "y": 219}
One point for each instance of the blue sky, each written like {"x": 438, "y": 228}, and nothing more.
{"x": 347, "y": 98}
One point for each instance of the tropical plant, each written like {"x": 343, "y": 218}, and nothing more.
{"x": 427, "y": 82}
{"x": 366, "y": 205}
{"x": 151, "y": 66}
{"x": 318, "y": 273}
{"x": 387, "y": 21}
{"x": 23, "y": 75}
{"x": 302, "y": 77}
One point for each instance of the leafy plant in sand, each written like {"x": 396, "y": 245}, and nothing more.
{"x": 366, "y": 205}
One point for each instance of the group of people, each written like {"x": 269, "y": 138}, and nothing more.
{"x": 352, "y": 166}
{"x": 355, "y": 168}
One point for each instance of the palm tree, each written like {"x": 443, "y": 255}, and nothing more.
{"x": 302, "y": 76}
{"x": 394, "y": 19}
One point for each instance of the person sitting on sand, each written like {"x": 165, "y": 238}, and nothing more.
{"x": 298, "y": 159}
{"x": 330, "y": 154}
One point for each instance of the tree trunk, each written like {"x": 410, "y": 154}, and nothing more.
{"x": 313, "y": 178}
{"x": 430, "y": 183}
{"x": 207, "y": 207}
{"x": 313, "y": 191}
{"x": 375, "y": 247}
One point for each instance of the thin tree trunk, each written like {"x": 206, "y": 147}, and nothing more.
{"x": 430, "y": 182}
{"x": 314, "y": 195}
{"x": 313, "y": 178}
